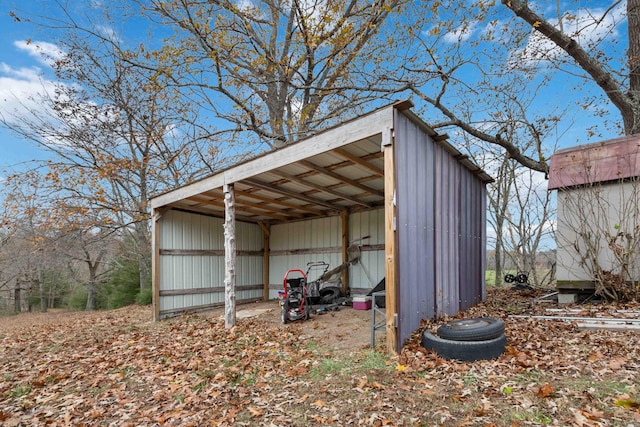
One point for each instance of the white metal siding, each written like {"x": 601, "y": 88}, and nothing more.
{"x": 611, "y": 208}
{"x": 187, "y": 231}
{"x": 319, "y": 239}
{"x": 371, "y": 268}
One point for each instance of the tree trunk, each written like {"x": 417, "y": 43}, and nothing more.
{"x": 230, "y": 257}
{"x": 41, "y": 291}
{"x": 17, "y": 302}
{"x": 633, "y": 28}
{"x": 499, "y": 272}
{"x": 91, "y": 296}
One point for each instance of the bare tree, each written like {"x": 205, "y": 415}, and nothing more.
{"x": 278, "y": 69}
{"x": 599, "y": 237}
{"x": 115, "y": 134}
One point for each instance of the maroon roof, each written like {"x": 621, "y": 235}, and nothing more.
{"x": 600, "y": 162}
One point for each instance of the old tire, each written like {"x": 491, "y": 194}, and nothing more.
{"x": 477, "y": 329}
{"x": 329, "y": 294}
{"x": 466, "y": 351}
{"x": 284, "y": 312}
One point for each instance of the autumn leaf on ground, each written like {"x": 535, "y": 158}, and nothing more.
{"x": 626, "y": 402}
{"x": 319, "y": 403}
{"x": 255, "y": 412}
{"x": 544, "y": 390}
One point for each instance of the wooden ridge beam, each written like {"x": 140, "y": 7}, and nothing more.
{"x": 268, "y": 187}
{"x": 357, "y": 160}
{"x": 247, "y": 210}
{"x": 342, "y": 178}
{"x": 313, "y": 186}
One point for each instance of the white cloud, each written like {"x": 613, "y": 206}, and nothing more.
{"x": 461, "y": 33}
{"x": 21, "y": 89}
{"x": 109, "y": 33}
{"x": 44, "y": 52}
{"x": 588, "y": 27}
{"x": 29, "y": 74}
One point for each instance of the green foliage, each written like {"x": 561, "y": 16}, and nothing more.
{"x": 145, "y": 296}
{"x": 123, "y": 284}
{"x": 19, "y": 391}
{"x": 77, "y": 299}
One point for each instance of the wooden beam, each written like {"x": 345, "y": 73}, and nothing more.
{"x": 205, "y": 252}
{"x": 390, "y": 248}
{"x": 292, "y": 194}
{"x": 278, "y": 202}
{"x": 210, "y": 290}
{"x": 245, "y": 209}
{"x": 266, "y": 233}
{"x": 229, "y": 257}
{"x": 262, "y": 206}
{"x": 155, "y": 262}
{"x": 322, "y": 188}
{"x": 357, "y": 160}
{"x": 341, "y": 178}
{"x": 344, "y": 219}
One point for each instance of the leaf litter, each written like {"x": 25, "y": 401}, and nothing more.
{"x": 119, "y": 368}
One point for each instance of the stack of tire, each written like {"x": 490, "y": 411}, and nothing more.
{"x": 467, "y": 340}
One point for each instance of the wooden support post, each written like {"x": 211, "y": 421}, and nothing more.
{"x": 344, "y": 217}
{"x": 155, "y": 262}
{"x": 390, "y": 243}
{"x": 229, "y": 256}
{"x": 266, "y": 234}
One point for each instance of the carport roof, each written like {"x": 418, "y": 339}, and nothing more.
{"x": 341, "y": 168}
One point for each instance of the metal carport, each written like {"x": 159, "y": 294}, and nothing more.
{"x": 321, "y": 184}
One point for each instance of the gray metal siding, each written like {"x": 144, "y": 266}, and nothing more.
{"x": 415, "y": 225}
{"x": 440, "y": 230}
{"x": 180, "y": 271}
{"x": 366, "y": 229}
{"x": 294, "y": 244}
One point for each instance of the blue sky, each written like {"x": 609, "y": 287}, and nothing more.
{"x": 23, "y": 71}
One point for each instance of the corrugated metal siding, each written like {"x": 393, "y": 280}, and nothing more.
{"x": 416, "y": 210}
{"x": 447, "y": 207}
{"x": 371, "y": 269}
{"x": 440, "y": 230}
{"x": 317, "y": 240}
{"x": 472, "y": 241}
{"x": 321, "y": 240}
{"x": 187, "y": 231}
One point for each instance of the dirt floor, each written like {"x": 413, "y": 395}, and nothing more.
{"x": 344, "y": 330}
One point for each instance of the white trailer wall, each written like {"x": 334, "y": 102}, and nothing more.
{"x": 191, "y": 262}
{"x": 597, "y": 210}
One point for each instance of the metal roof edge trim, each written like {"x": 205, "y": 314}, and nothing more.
{"x": 366, "y": 125}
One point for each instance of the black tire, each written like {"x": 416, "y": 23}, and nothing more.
{"x": 284, "y": 312}
{"x": 477, "y": 329}
{"x": 466, "y": 351}
{"x": 329, "y": 294}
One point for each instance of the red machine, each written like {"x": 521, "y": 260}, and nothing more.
{"x": 294, "y": 301}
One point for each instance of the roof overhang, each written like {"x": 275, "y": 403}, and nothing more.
{"x": 606, "y": 161}
{"x": 341, "y": 168}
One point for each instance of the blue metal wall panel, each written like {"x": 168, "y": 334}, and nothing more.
{"x": 440, "y": 233}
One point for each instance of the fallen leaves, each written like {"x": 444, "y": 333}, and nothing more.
{"x": 120, "y": 368}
